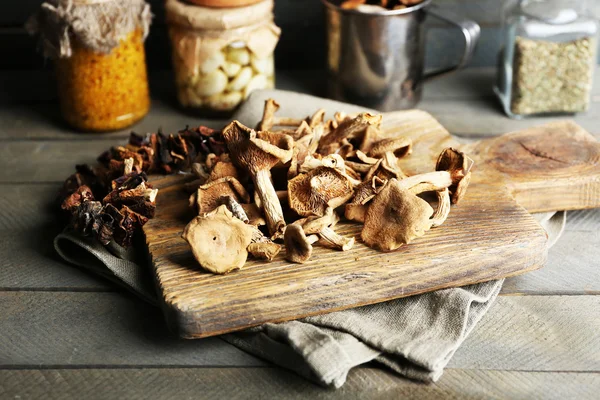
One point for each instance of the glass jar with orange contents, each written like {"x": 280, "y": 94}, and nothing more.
{"x": 98, "y": 48}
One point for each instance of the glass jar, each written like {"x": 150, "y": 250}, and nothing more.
{"x": 221, "y": 55}
{"x": 98, "y": 48}
{"x": 549, "y": 57}
{"x": 104, "y": 92}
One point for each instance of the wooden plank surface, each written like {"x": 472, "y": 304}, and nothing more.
{"x": 100, "y": 329}
{"x": 68, "y": 330}
{"x": 272, "y": 383}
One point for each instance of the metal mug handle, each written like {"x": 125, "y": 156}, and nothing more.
{"x": 470, "y": 30}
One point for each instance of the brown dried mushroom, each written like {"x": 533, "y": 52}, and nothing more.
{"x": 258, "y": 152}
{"x": 314, "y": 192}
{"x": 395, "y": 217}
{"x": 219, "y": 240}
{"x": 459, "y": 165}
{"x": 298, "y": 247}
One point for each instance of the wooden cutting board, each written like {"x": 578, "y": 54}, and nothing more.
{"x": 487, "y": 236}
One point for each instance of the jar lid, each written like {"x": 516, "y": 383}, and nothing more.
{"x": 557, "y": 12}
{"x": 206, "y": 18}
{"x": 98, "y": 25}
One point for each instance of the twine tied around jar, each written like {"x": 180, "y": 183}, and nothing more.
{"x": 98, "y": 25}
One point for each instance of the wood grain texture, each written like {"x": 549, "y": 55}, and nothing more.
{"x": 552, "y": 167}
{"x": 481, "y": 240}
{"x": 572, "y": 266}
{"x": 28, "y": 225}
{"x": 271, "y": 383}
{"x": 535, "y": 333}
{"x": 110, "y": 330}
{"x": 101, "y": 329}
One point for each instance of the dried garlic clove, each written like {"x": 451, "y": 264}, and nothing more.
{"x": 264, "y": 66}
{"x": 224, "y": 101}
{"x": 256, "y": 83}
{"x": 212, "y": 83}
{"x": 211, "y": 64}
{"x": 241, "y": 80}
{"x": 231, "y": 69}
{"x": 238, "y": 56}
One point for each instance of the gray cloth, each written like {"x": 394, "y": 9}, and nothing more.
{"x": 414, "y": 336}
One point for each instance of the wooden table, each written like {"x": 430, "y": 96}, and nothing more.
{"x": 65, "y": 333}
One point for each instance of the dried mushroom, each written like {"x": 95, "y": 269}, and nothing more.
{"x": 258, "y": 152}
{"x": 314, "y": 192}
{"x": 458, "y": 165}
{"x": 218, "y": 240}
{"x": 395, "y": 217}
{"x": 298, "y": 246}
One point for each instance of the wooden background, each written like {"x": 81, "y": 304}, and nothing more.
{"x": 302, "y": 41}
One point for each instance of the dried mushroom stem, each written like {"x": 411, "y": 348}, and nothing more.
{"x": 443, "y": 208}
{"x": 430, "y": 181}
{"x": 269, "y": 201}
{"x": 329, "y": 238}
{"x": 269, "y": 120}
{"x": 234, "y": 207}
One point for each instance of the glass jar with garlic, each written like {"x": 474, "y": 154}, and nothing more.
{"x": 220, "y": 55}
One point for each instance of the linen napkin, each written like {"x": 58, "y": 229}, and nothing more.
{"x": 414, "y": 336}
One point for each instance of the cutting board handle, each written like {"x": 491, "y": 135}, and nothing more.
{"x": 548, "y": 168}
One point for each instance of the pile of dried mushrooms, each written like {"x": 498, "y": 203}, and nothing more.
{"x": 299, "y": 177}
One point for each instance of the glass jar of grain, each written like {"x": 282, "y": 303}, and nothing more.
{"x": 98, "y": 47}
{"x": 549, "y": 57}
{"x": 220, "y": 55}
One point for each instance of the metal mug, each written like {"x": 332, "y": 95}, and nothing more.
{"x": 376, "y": 58}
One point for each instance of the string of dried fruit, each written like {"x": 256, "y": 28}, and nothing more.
{"x": 113, "y": 200}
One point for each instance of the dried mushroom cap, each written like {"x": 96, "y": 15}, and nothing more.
{"x": 258, "y": 152}
{"x": 312, "y": 193}
{"x": 331, "y": 142}
{"x": 395, "y": 217}
{"x": 219, "y": 240}
{"x": 264, "y": 251}
{"x": 385, "y": 168}
{"x": 356, "y": 210}
{"x": 459, "y": 165}
{"x": 261, "y": 246}
{"x": 400, "y": 146}
{"x": 298, "y": 247}
{"x": 223, "y": 169}
{"x": 208, "y": 196}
